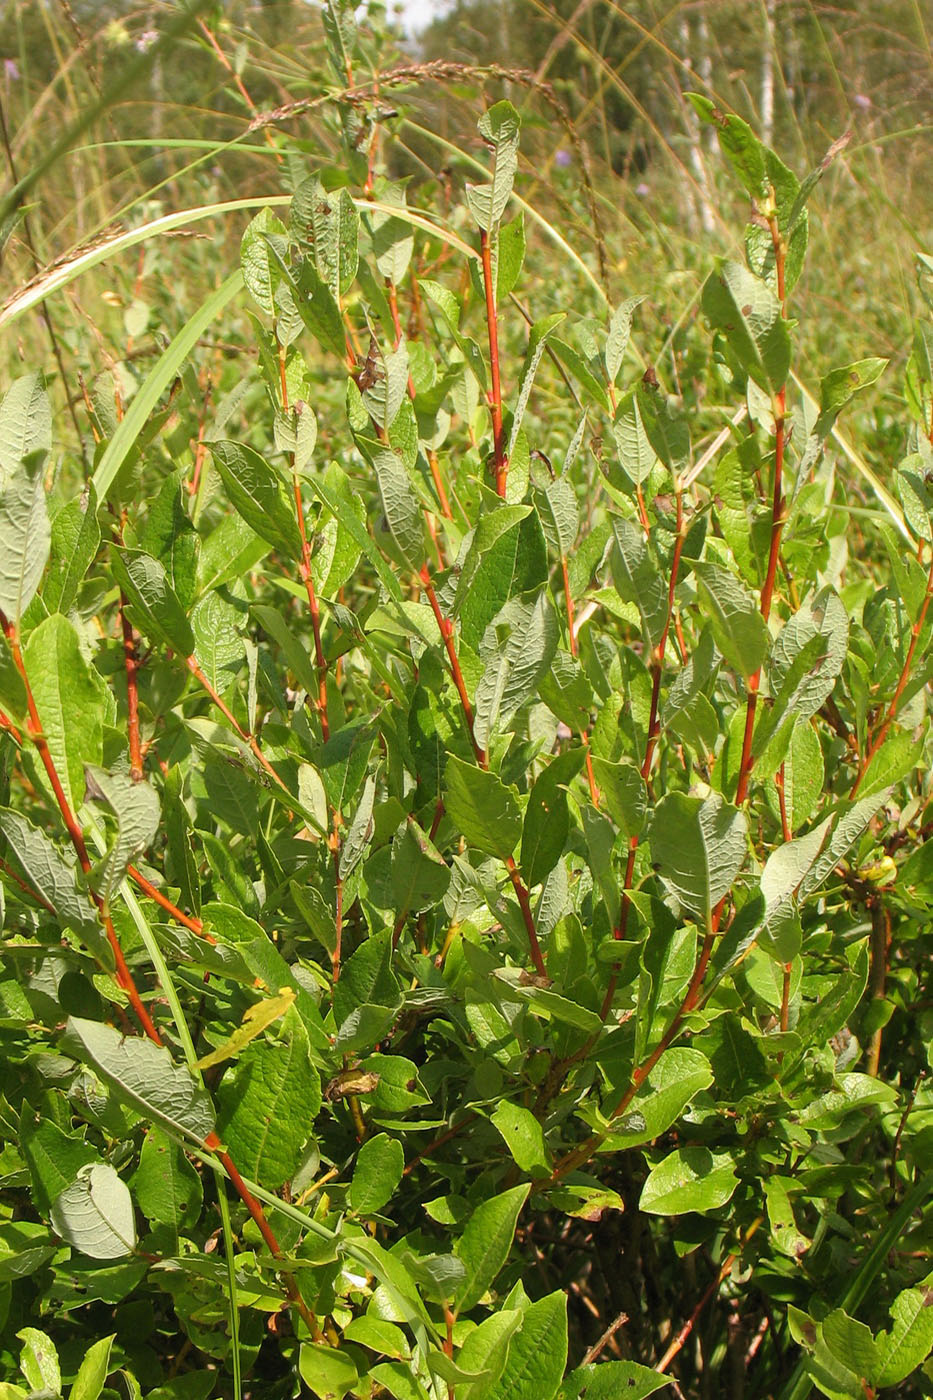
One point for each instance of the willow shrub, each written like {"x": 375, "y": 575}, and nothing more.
{"x": 463, "y": 844}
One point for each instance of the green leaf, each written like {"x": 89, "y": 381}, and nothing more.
{"x": 331, "y": 220}
{"x": 698, "y": 846}
{"x": 636, "y": 454}
{"x": 612, "y": 1380}
{"x": 560, "y": 518}
{"x": 343, "y": 761}
{"x": 403, "y": 516}
{"x": 382, "y": 1337}
{"x": 54, "y": 1158}
{"x": 145, "y": 1076}
{"x": 537, "y": 340}
{"x": 259, "y": 494}
{"x": 499, "y": 128}
{"x": 327, "y": 1373}
{"x": 748, "y": 313}
{"x": 689, "y": 1179}
{"x": 314, "y": 302}
{"x": 230, "y": 551}
{"x": 154, "y": 606}
{"x": 841, "y": 385}
{"x": 482, "y": 808}
{"x": 741, "y": 632}
{"x": 420, "y": 875}
{"x": 449, "y": 307}
{"x": 25, "y": 536}
{"x": 166, "y": 1186}
{"x": 266, "y": 1107}
{"x": 342, "y": 511}
{"x": 666, "y": 428}
{"x": 12, "y": 687}
{"x": 393, "y": 238}
{"x": 75, "y": 540}
{"x": 495, "y": 521}
{"x": 485, "y": 1243}
{"x": 851, "y": 1343}
{"x": 509, "y": 255}
{"x": 679, "y": 1075}
{"x": 908, "y": 1343}
{"x": 93, "y": 1371}
{"x": 524, "y": 644}
{"x": 260, "y": 271}
{"x": 567, "y": 692}
{"x": 46, "y": 868}
{"x": 39, "y": 1360}
{"x": 396, "y": 1377}
{"x": 537, "y": 1355}
{"x": 95, "y": 1213}
{"x": 895, "y": 760}
{"x": 638, "y": 580}
{"x": 620, "y": 328}
{"x": 623, "y": 790}
{"x": 360, "y": 831}
{"x": 822, "y": 615}
{"x": 341, "y": 37}
{"x": 915, "y": 496}
{"x": 217, "y": 624}
{"x": 72, "y": 700}
{"x": 25, "y": 424}
{"x": 172, "y": 539}
{"x": 524, "y": 1137}
{"x": 384, "y": 398}
{"x": 741, "y": 147}
{"x": 377, "y": 1173}
{"x": 137, "y": 810}
{"x": 547, "y": 817}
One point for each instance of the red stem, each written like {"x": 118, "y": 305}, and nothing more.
{"x": 446, "y": 628}
{"x": 495, "y": 401}
{"x": 572, "y": 637}
{"x": 156, "y": 895}
{"x": 131, "y": 663}
{"x": 585, "y": 1150}
{"x": 682, "y": 1336}
{"x": 654, "y": 731}
{"x": 891, "y": 712}
{"x": 777, "y": 527}
{"x": 26, "y": 888}
{"x": 213, "y": 1144}
{"x": 34, "y": 729}
{"x": 524, "y": 903}
{"x": 250, "y": 739}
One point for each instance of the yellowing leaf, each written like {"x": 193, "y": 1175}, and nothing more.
{"x": 255, "y": 1021}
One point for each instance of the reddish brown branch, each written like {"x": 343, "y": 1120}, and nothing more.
{"x": 76, "y": 835}
{"x": 572, "y": 637}
{"x": 654, "y": 732}
{"x": 495, "y": 399}
{"x": 682, "y": 1336}
{"x": 582, "y": 1153}
{"x": 777, "y": 529}
{"x": 250, "y": 739}
{"x": 524, "y": 903}
{"x": 446, "y": 629}
{"x": 26, "y": 888}
{"x": 131, "y": 665}
{"x": 156, "y": 895}
{"x": 213, "y": 1144}
{"x": 891, "y": 712}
